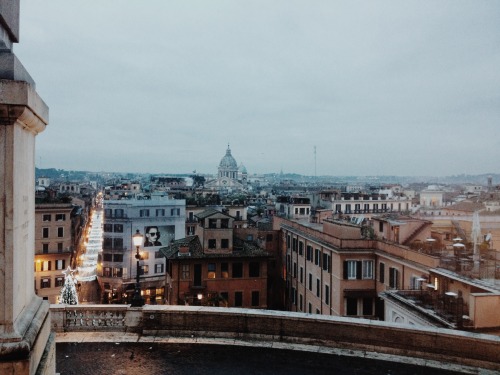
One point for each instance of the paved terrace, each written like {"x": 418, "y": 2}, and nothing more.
{"x": 429, "y": 348}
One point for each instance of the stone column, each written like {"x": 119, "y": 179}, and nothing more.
{"x": 26, "y": 343}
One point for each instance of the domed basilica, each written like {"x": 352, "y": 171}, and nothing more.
{"x": 229, "y": 176}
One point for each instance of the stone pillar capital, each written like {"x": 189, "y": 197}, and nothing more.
{"x": 19, "y": 102}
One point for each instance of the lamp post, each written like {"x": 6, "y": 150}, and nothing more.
{"x": 137, "y": 300}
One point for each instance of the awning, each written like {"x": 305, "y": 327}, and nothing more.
{"x": 357, "y": 293}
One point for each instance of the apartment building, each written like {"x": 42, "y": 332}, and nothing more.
{"x": 213, "y": 267}
{"x": 296, "y": 208}
{"x": 161, "y": 220}
{"x": 368, "y": 205}
{"x": 53, "y": 247}
{"x": 335, "y": 268}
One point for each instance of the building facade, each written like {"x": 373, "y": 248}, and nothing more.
{"x": 213, "y": 267}
{"x": 161, "y": 220}
{"x": 53, "y": 248}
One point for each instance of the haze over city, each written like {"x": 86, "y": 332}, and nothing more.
{"x": 379, "y": 88}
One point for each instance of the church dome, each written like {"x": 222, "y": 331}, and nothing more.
{"x": 228, "y": 161}
{"x": 243, "y": 169}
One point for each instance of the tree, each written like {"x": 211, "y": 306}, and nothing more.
{"x": 68, "y": 294}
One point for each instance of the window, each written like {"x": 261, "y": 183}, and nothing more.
{"x": 224, "y": 223}
{"x": 60, "y": 264}
{"x": 185, "y": 272}
{"x": 381, "y": 273}
{"x": 108, "y": 212}
{"x": 45, "y": 283}
{"x": 294, "y": 244}
{"x": 367, "y": 306}
{"x": 301, "y": 302}
{"x": 118, "y": 243}
{"x": 327, "y": 294}
{"x": 255, "y": 298}
{"x": 59, "y": 281}
{"x": 309, "y": 253}
{"x": 158, "y": 255}
{"x": 288, "y": 241}
{"x": 60, "y": 217}
{"x": 224, "y": 243}
{"x": 108, "y": 228}
{"x": 45, "y": 232}
{"x": 145, "y": 255}
{"x": 237, "y": 270}
{"x": 175, "y": 212}
{"x": 327, "y": 262}
{"x": 310, "y": 282}
{"x": 45, "y": 248}
{"x": 60, "y": 232}
{"x": 294, "y": 270}
{"x": 46, "y": 217}
{"x": 301, "y": 248}
{"x": 250, "y": 237}
{"x": 212, "y": 243}
{"x": 367, "y": 269}
{"x": 393, "y": 278}
{"x": 238, "y": 299}
{"x": 254, "y": 269}
{"x": 117, "y": 272}
{"x": 269, "y": 237}
{"x": 106, "y": 272}
{"x": 117, "y": 257}
{"x": 352, "y": 270}
{"x": 351, "y": 306}
{"x": 160, "y": 212}
{"x": 224, "y": 270}
{"x": 317, "y": 257}
{"x": 309, "y": 308}
{"x": 211, "y": 270}
{"x": 318, "y": 289}
{"x": 46, "y": 265}
{"x": 119, "y": 213}
{"x": 107, "y": 243}
{"x": 107, "y": 257}
{"x": 144, "y": 213}
{"x": 118, "y": 228}
{"x": 159, "y": 268}
{"x": 144, "y": 270}
{"x": 301, "y": 275}
{"x": 59, "y": 247}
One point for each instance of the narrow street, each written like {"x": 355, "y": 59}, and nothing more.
{"x": 89, "y": 292}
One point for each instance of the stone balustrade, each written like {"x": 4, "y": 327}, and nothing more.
{"x": 430, "y": 347}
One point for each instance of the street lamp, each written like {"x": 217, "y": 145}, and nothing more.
{"x": 137, "y": 300}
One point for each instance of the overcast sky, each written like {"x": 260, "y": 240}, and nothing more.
{"x": 157, "y": 86}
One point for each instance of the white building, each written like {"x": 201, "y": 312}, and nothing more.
{"x": 161, "y": 220}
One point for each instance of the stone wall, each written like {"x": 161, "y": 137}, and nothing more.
{"x": 432, "y": 347}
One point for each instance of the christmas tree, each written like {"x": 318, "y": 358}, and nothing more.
{"x": 68, "y": 294}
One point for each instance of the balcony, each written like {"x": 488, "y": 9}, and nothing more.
{"x": 445, "y": 310}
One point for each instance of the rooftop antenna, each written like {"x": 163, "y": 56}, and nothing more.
{"x": 315, "y": 175}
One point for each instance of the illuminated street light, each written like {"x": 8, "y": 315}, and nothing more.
{"x": 137, "y": 300}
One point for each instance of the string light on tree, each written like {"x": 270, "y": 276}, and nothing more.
{"x": 68, "y": 294}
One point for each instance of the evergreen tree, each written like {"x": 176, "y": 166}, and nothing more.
{"x": 68, "y": 294}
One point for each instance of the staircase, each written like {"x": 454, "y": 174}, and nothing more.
{"x": 415, "y": 233}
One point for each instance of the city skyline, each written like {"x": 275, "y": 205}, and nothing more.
{"x": 337, "y": 88}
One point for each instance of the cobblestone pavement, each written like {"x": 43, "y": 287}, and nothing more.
{"x": 127, "y": 358}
